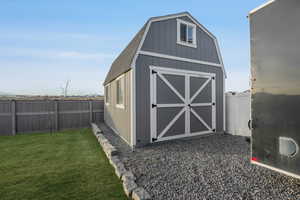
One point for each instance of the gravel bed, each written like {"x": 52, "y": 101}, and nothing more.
{"x": 213, "y": 167}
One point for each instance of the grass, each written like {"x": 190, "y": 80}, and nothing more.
{"x": 63, "y": 165}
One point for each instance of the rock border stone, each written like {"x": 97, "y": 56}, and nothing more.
{"x": 131, "y": 189}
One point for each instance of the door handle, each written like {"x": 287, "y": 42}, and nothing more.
{"x": 250, "y": 124}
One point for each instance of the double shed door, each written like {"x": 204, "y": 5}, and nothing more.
{"x": 183, "y": 103}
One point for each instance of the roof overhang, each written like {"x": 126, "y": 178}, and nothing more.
{"x": 261, "y": 7}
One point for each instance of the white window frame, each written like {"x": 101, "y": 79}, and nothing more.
{"x": 122, "y": 81}
{"x": 107, "y": 94}
{"x": 194, "y": 44}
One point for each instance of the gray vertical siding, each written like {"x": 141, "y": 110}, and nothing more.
{"x": 117, "y": 118}
{"x": 162, "y": 38}
{"x": 48, "y": 115}
{"x": 143, "y": 91}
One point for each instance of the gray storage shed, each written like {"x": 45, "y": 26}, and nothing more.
{"x": 167, "y": 83}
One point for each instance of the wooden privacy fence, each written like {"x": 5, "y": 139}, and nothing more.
{"x": 25, "y": 116}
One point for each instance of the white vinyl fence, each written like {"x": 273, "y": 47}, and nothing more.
{"x": 238, "y": 113}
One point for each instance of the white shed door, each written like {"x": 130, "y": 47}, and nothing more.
{"x": 182, "y": 103}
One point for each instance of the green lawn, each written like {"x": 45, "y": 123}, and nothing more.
{"x": 64, "y": 165}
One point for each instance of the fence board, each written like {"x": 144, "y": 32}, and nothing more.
{"x": 48, "y": 115}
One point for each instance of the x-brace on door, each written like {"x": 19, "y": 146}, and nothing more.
{"x": 183, "y": 103}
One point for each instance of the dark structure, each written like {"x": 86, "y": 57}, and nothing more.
{"x": 275, "y": 94}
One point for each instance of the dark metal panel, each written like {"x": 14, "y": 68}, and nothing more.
{"x": 162, "y": 38}
{"x": 275, "y": 68}
{"x": 143, "y": 91}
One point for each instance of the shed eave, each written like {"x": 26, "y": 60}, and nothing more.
{"x": 261, "y": 7}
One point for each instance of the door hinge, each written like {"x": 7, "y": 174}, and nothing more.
{"x": 154, "y": 139}
{"x": 153, "y": 105}
{"x": 213, "y": 103}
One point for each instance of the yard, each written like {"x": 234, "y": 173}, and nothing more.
{"x": 64, "y": 165}
{"x": 212, "y": 167}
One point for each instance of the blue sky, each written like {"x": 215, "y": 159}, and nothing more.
{"x": 45, "y": 43}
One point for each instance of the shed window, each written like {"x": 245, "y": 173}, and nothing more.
{"x": 186, "y": 33}
{"x": 120, "y": 82}
{"x": 107, "y": 95}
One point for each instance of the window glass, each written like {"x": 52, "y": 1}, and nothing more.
{"x": 107, "y": 94}
{"x": 120, "y": 91}
{"x": 183, "y": 32}
{"x": 190, "y": 34}
{"x": 186, "y": 33}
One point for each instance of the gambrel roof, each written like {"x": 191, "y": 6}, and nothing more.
{"x": 125, "y": 61}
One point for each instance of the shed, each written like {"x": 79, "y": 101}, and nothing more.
{"x": 168, "y": 83}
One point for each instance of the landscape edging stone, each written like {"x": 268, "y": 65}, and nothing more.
{"x": 130, "y": 187}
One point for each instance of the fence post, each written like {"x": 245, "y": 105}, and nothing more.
{"x": 13, "y": 117}
{"x": 91, "y": 111}
{"x": 56, "y": 126}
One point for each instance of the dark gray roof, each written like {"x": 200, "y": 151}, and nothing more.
{"x": 123, "y": 62}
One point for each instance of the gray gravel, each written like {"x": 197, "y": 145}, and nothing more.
{"x": 213, "y": 167}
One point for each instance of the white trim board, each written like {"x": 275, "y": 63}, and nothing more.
{"x": 148, "y": 53}
{"x": 186, "y": 43}
{"x": 203, "y": 133}
{"x": 132, "y": 108}
{"x": 261, "y": 6}
{"x": 276, "y": 169}
{"x": 185, "y": 105}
